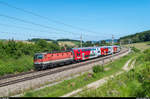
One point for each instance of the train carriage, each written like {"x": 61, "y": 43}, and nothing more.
{"x": 104, "y": 50}
{"x": 118, "y": 48}
{"x": 46, "y": 60}
{"x": 84, "y": 53}
{"x": 110, "y": 50}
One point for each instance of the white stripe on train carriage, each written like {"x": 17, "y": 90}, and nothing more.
{"x": 54, "y": 61}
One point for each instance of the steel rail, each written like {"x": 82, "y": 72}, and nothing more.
{"x": 51, "y": 71}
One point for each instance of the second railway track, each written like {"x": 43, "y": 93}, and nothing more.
{"x": 5, "y": 81}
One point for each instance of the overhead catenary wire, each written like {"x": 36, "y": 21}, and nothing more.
{"x": 30, "y": 22}
{"x": 24, "y": 34}
{"x": 37, "y": 31}
{"x": 37, "y": 24}
{"x": 47, "y": 18}
{"x": 44, "y": 17}
{"x": 26, "y": 28}
{"x": 33, "y": 35}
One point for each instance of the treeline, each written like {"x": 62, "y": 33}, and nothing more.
{"x": 68, "y": 40}
{"x": 138, "y": 37}
{"x": 36, "y": 39}
{"x": 98, "y": 43}
{"x": 15, "y": 49}
{"x": 17, "y": 56}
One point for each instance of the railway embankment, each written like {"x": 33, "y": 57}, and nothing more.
{"x": 69, "y": 85}
{"x": 100, "y": 82}
{"x": 52, "y": 77}
{"x": 133, "y": 83}
{"x": 36, "y": 81}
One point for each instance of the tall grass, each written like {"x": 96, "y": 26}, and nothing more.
{"x": 11, "y": 66}
{"x": 135, "y": 83}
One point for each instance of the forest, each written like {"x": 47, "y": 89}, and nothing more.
{"x": 137, "y": 37}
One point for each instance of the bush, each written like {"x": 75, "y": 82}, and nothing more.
{"x": 11, "y": 66}
{"x": 98, "y": 68}
{"x": 135, "y": 49}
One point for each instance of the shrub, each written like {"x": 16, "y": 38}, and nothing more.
{"x": 135, "y": 49}
{"x": 98, "y": 68}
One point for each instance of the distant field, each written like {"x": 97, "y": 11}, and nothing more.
{"x": 69, "y": 43}
{"x": 142, "y": 46}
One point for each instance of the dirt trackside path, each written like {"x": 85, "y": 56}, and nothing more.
{"x": 102, "y": 81}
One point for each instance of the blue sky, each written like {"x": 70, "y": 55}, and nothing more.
{"x": 104, "y": 17}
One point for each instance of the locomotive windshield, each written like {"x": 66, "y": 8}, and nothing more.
{"x": 38, "y": 56}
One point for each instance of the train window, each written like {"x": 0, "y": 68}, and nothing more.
{"x": 78, "y": 54}
{"x": 38, "y": 56}
{"x": 86, "y": 55}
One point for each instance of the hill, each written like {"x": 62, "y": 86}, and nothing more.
{"x": 137, "y": 37}
{"x": 141, "y": 46}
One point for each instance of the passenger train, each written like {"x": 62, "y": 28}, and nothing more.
{"x": 47, "y": 60}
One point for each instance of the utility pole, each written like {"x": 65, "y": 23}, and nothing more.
{"x": 129, "y": 42}
{"x": 81, "y": 40}
{"x": 112, "y": 46}
{"x": 120, "y": 44}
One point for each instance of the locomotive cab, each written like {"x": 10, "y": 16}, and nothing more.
{"x": 38, "y": 60}
{"x": 38, "y": 56}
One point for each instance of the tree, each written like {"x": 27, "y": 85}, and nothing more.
{"x": 103, "y": 42}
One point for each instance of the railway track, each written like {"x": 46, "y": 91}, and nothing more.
{"x": 12, "y": 79}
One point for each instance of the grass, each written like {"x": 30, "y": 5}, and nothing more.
{"x": 78, "y": 82}
{"x": 141, "y": 46}
{"x": 127, "y": 84}
{"x": 13, "y": 66}
{"x": 69, "y": 43}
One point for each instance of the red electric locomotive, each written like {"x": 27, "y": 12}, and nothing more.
{"x": 46, "y": 60}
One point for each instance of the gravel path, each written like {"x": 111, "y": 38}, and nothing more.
{"x": 102, "y": 81}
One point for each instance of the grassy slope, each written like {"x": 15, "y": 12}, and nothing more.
{"x": 124, "y": 85}
{"x": 142, "y": 46}
{"x": 12, "y": 66}
{"x": 75, "y": 83}
{"x": 69, "y": 43}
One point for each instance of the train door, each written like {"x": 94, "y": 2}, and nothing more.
{"x": 98, "y": 51}
{"x": 102, "y": 51}
{"x": 106, "y": 50}
{"x": 109, "y": 50}
{"x": 77, "y": 55}
{"x": 83, "y": 58}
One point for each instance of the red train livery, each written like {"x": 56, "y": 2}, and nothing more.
{"x": 46, "y": 60}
